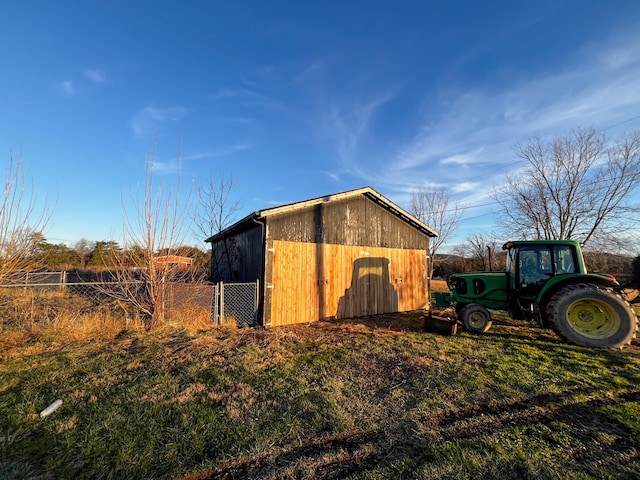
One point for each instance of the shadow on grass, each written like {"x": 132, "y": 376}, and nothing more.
{"x": 543, "y": 336}
{"x": 417, "y": 441}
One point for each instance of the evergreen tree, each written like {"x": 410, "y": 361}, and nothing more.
{"x": 53, "y": 256}
{"x": 104, "y": 254}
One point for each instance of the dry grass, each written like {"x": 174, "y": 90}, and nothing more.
{"x": 190, "y": 317}
{"x": 33, "y": 321}
{"x": 439, "y": 286}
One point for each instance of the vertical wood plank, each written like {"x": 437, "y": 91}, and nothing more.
{"x": 298, "y": 269}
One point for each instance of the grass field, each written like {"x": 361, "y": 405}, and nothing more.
{"x": 371, "y": 399}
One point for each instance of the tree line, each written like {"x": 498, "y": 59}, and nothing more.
{"x": 99, "y": 255}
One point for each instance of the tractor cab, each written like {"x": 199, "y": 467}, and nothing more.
{"x": 530, "y": 265}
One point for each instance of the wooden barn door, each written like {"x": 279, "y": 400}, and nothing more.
{"x": 311, "y": 282}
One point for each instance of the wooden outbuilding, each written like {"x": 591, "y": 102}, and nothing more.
{"x": 345, "y": 255}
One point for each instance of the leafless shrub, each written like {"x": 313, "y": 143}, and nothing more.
{"x": 157, "y": 226}
{"x": 22, "y": 219}
{"x": 435, "y": 208}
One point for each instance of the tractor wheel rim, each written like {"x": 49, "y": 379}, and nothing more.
{"x": 477, "y": 320}
{"x": 593, "y": 318}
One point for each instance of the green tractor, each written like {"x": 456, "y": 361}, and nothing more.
{"x": 546, "y": 281}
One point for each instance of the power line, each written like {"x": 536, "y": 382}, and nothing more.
{"x": 619, "y": 123}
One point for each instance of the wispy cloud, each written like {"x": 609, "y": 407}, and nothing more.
{"x": 464, "y": 159}
{"x": 227, "y": 93}
{"x": 333, "y": 176}
{"x": 94, "y": 75}
{"x": 71, "y": 87}
{"x": 221, "y": 152}
{"x": 479, "y": 127}
{"x": 463, "y": 187}
{"x": 343, "y": 113}
{"x": 261, "y": 202}
{"x": 147, "y": 119}
{"x": 66, "y": 87}
{"x": 463, "y": 140}
{"x": 250, "y": 97}
{"x": 349, "y": 124}
{"x": 166, "y": 168}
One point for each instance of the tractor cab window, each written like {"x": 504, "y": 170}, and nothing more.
{"x": 535, "y": 266}
{"x": 564, "y": 260}
{"x": 530, "y": 266}
{"x": 512, "y": 261}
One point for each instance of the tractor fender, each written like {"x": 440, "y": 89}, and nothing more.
{"x": 560, "y": 281}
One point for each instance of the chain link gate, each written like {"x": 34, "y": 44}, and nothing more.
{"x": 236, "y": 301}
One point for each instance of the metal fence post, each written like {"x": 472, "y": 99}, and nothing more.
{"x": 221, "y": 303}
{"x": 216, "y": 303}
{"x": 256, "y": 305}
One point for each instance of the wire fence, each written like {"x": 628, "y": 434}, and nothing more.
{"x": 221, "y": 302}
{"x": 237, "y": 301}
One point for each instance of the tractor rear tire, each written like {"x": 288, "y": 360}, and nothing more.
{"x": 592, "y": 316}
{"x": 475, "y": 318}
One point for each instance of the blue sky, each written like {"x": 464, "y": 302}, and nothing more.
{"x": 298, "y": 99}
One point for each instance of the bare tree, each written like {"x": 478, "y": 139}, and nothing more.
{"x": 83, "y": 249}
{"x": 216, "y": 211}
{"x": 577, "y": 186}
{"x": 608, "y": 263}
{"x": 22, "y": 220}
{"x": 485, "y": 253}
{"x": 459, "y": 259}
{"x": 216, "y": 207}
{"x": 158, "y": 225}
{"x": 434, "y": 207}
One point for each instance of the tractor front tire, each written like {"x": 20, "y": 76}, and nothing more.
{"x": 592, "y": 316}
{"x": 475, "y": 318}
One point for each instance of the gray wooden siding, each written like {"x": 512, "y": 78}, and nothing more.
{"x": 239, "y": 258}
{"x": 350, "y": 222}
